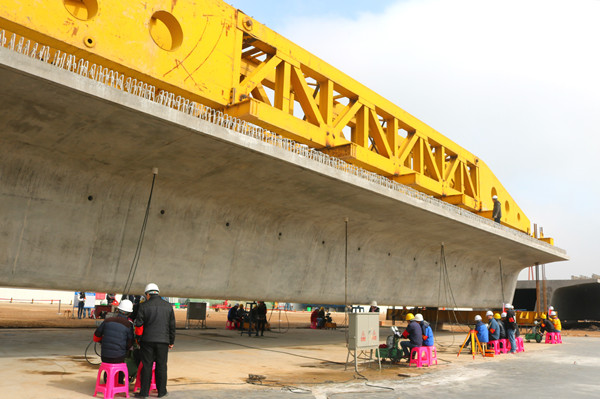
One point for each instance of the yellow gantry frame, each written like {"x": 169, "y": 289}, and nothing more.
{"x": 216, "y": 55}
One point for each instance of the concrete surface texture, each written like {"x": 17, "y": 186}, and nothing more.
{"x": 231, "y": 216}
{"x": 50, "y": 363}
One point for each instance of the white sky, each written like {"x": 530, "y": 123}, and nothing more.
{"x": 514, "y": 82}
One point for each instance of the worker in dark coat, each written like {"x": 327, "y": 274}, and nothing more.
{"x": 547, "y": 325}
{"x": 493, "y": 327}
{"x": 501, "y": 328}
{"x": 497, "y": 212}
{"x": 261, "y": 318}
{"x": 155, "y": 329}
{"x": 414, "y": 333}
{"x": 511, "y": 326}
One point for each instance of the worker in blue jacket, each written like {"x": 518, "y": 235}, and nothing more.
{"x": 414, "y": 333}
{"x": 426, "y": 328}
{"x": 482, "y": 331}
{"x": 493, "y": 327}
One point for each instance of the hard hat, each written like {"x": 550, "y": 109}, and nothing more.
{"x": 374, "y": 303}
{"x": 551, "y": 308}
{"x": 508, "y": 306}
{"x": 494, "y": 197}
{"x": 126, "y": 306}
{"x": 410, "y": 316}
{"x": 418, "y": 317}
{"x": 553, "y": 313}
{"x": 151, "y": 288}
{"x": 477, "y": 318}
{"x": 503, "y": 314}
{"x": 543, "y": 315}
{"x": 497, "y": 316}
{"x": 489, "y": 313}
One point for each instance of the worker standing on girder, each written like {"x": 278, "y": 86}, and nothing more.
{"x": 497, "y": 212}
{"x": 155, "y": 329}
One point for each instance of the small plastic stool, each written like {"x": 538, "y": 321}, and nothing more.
{"x": 138, "y": 383}
{"x": 431, "y": 354}
{"x": 313, "y": 325}
{"x": 230, "y": 325}
{"x": 495, "y": 345}
{"x": 420, "y": 358}
{"x": 504, "y": 346}
{"x": 112, "y": 386}
{"x": 520, "y": 345}
{"x": 558, "y": 337}
{"x": 551, "y": 338}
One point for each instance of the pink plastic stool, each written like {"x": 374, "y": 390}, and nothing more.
{"x": 520, "y": 345}
{"x": 551, "y": 338}
{"x": 313, "y": 325}
{"x": 504, "y": 345}
{"x": 138, "y": 383}
{"x": 230, "y": 325}
{"x": 112, "y": 386}
{"x": 421, "y": 357}
{"x": 495, "y": 345}
{"x": 431, "y": 354}
{"x": 558, "y": 337}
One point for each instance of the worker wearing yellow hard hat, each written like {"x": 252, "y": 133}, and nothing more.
{"x": 414, "y": 333}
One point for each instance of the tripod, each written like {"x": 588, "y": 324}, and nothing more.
{"x": 472, "y": 337}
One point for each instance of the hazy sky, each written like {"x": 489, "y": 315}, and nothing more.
{"x": 516, "y": 82}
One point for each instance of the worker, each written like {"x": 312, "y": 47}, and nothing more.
{"x": 501, "y": 328}
{"x": 313, "y": 317}
{"x": 493, "y": 327}
{"x": 232, "y": 315}
{"x": 261, "y": 318}
{"x": 80, "y": 304}
{"x": 497, "y": 212}
{"x": 321, "y": 317}
{"x": 427, "y": 331}
{"x": 414, "y": 333}
{"x": 155, "y": 329}
{"x": 116, "y": 336}
{"x": 546, "y": 325}
{"x": 511, "y": 327}
{"x": 374, "y": 308}
{"x": 482, "y": 331}
{"x": 556, "y": 321}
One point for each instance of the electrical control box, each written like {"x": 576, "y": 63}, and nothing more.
{"x": 363, "y": 331}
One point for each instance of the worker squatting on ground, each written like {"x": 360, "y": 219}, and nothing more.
{"x": 116, "y": 336}
{"x": 493, "y": 327}
{"x": 155, "y": 331}
{"x": 414, "y": 333}
{"x": 497, "y": 212}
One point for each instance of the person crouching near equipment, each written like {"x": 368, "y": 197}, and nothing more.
{"x": 556, "y": 321}
{"x": 493, "y": 327}
{"x": 546, "y": 326}
{"x": 426, "y": 328}
{"x": 414, "y": 333}
{"x": 116, "y": 336}
{"x": 482, "y": 332}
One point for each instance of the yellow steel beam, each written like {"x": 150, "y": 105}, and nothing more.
{"x": 216, "y": 55}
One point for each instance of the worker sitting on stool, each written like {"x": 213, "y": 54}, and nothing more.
{"x": 482, "y": 333}
{"x": 546, "y": 325}
{"x": 321, "y": 317}
{"x": 232, "y": 315}
{"x": 501, "y": 328}
{"x": 414, "y": 333}
{"x": 493, "y": 327}
{"x": 116, "y": 336}
{"x": 556, "y": 321}
{"x": 426, "y": 328}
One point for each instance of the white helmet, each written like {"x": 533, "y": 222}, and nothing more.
{"x": 126, "y": 306}
{"x": 489, "y": 313}
{"x": 503, "y": 314}
{"x": 418, "y": 317}
{"x": 551, "y": 308}
{"x": 553, "y": 313}
{"x": 508, "y": 306}
{"x": 374, "y": 303}
{"x": 151, "y": 288}
{"x": 477, "y": 318}
{"x": 494, "y": 197}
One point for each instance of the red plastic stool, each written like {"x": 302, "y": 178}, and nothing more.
{"x": 431, "y": 354}
{"x": 112, "y": 386}
{"x": 495, "y": 345}
{"x": 138, "y": 383}
{"x": 420, "y": 358}
{"x": 313, "y": 325}
{"x": 230, "y": 325}
{"x": 520, "y": 345}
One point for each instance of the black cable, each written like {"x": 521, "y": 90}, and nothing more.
{"x": 95, "y": 350}
{"x": 138, "y": 250}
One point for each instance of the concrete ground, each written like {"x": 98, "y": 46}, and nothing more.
{"x": 214, "y": 363}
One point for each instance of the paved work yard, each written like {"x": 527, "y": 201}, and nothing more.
{"x": 214, "y": 363}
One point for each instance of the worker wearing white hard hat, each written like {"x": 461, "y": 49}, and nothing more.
{"x": 493, "y": 327}
{"x": 374, "y": 308}
{"x": 155, "y": 327}
{"x": 556, "y": 321}
{"x": 426, "y": 329}
{"x": 116, "y": 335}
{"x": 497, "y": 211}
{"x": 511, "y": 327}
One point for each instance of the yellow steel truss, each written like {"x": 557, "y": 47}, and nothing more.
{"x": 216, "y": 55}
